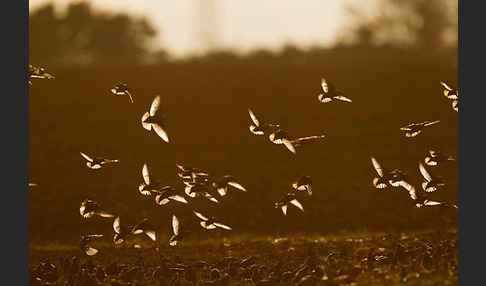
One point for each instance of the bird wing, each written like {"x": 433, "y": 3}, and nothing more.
{"x": 237, "y": 186}
{"x": 289, "y": 145}
{"x": 161, "y": 132}
{"x": 220, "y": 225}
{"x": 307, "y": 139}
{"x": 129, "y": 96}
{"x": 200, "y": 215}
{"x": 432, "y": 203}
{"x": 324, "y": 85}
{"x": 342, "y": 98}
{"x": 284, "y": 209}
{"x": 424, "y": 172}
{"x": 90, "y": 251}
{"x": 377, "y": 166}
{"x": 86, "y": 157}
{"x": 445, "y": 85}
{"x": 175, "y": 225}
{"x": 296, "y": 203}
{"x": 253, "y": 118}
{"x": 146, "y": 174}
{"x": 428, "y": 123}
{"x": 151, "y": 234}
{"x": 116, "y": 225}
{"x": 146, "y": 126}
{"x": 155, "y": 105}
{"x": 178, "y": 198}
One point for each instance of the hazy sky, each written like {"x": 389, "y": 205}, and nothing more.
{"x": 236, "y": 24}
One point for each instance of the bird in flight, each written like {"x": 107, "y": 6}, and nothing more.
{"x": 147, "y": 187}
{"x": 91, "y": 208}
{"x": 414, "y": 129}
{"x": 224, "y": 183}
{"x": 386, "y": 178}
{"x": 421, "y": 199}
{"x": 452, "y": 93}
{"x": 176, "y": 228}
{"x": 167, "y": 194}
{"x": 286, "y": 200}
{"x": 96, "y": 162}
{"x": 434, "y": 158}
{"x": 282, "y": 137}
{"x": 144, "y": 226}
{"x": 210, "y": 222}
{"x": 303, "y": 184}
{"x": 122, "y": 89}
{"x": 150, "y": 121}
{"x": 38, "y": 73}
{"x": 260, "y": 128}
{"x": 330, "y": 93}
{"x": 431, "y": 183}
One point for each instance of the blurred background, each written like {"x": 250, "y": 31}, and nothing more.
{"x": 212, "y": 60}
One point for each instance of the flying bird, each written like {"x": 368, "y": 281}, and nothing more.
{"x": 149, "y": 121}
{"x": 122, "y": 89}
{"x": 452, "y": 93}
{"x": 303, "y": 184}
{"x": 168, "y": 194}
{"x": 414, "y": 129}
{"x": 38, "y": 73}
{"x": 145, "y": 227}
{"x": 85, "y": 246}
{"x": 385, "y": 177}
{"x": 421, "y": 199}
{"x": 431, "y": 183}
{"x": 224, "y": 183}
{"x": 286, "y": 200}
{"x": 282, "y": 137}
{"x": 210, "y": 222}
{"x": 177, "y": 236}
{"x": 91, "y": 208}
{"x": 147, "y": 187}
{"x": 122, "y": 232}
{"x": 434, "y": 158}
{"x": 259, "y": 128}
{"x": 96, "y": 162}
{"x": 329, "y": 92}
{"x": 199, "y": 190}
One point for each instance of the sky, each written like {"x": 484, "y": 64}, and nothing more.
{"x": 233, "y": 24}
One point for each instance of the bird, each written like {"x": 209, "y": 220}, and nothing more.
{"x": 149, "y": 121}
{"x": 414, "y": 129}
{"x": 222, "y": 185}
{"x": 38, "y": 73}
{"x": 452, "y": 93}
{"x": 122, "y": 89}
{"x": 281, "y": 136}
{"x": 85, "y": 246}
{"x": 431, "y": 184}
{"x": 89, "y": 208}
{"x": 434, "y": 158}
{"x": 421, "y": 199}
{"x": 144, "y": 226}
{"x": 303, "y": 184}
{"x": 177, "y": 236}
{"x": 147, "y": 187}
{"x": 285, "y": 200}
{"x": 122, "y": 232}
{"x": 199, "y": 190}
{"x": 259, "y": 128}
{"x": 32, "y": 185}
{"x": 167, "y": 194}
{"x": 329, "y": 92}
{"x": 96, "y": 162}
{"x": 385, "y": 177}
{"x": 210, "y": 222}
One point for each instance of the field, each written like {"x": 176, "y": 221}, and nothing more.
{"x": 205, "y": 103}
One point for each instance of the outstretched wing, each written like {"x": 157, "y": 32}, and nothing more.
{"x": 86, "y": 157}
{"x": 147, "y": 126}
{"x": 445, "y": 85}
{"x": 116, "y": 225}
{"x": 175, "y": 225}
{"x": 178, "y": 198}
{"x": 424, "y": 172}
{"x": 342, "y": 98}
{"x": 161, "y": 132}
{"x": 284, "y": 209}
{"x": 200, "y": 215}
{"x": 324, "y": 85}
{"x": 377, "y": 166}
{"x": 253, "y": 117}
{"x": 146, "y": 174}
{"x": 428, "y": 123}
{"x": 223, "y": 226}
{"x": 155, "y": 106}
{"x": 289, "y": 145}
{"x": 296, "y": 203}
{"x": 237, "y": 186}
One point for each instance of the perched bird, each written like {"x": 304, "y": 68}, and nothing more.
{"x": 38, "y": 73}
{"x": 122, "y": 89}
{"x": 148, "y": 187}
{"x": 90, "y": 208}
{"x": 414, "y": 129}
{"x": 149, "y": 121}
{"x": 434, "y": 158}
{"x": 222, "y": 185}
{"x": 329, "y": 92}
{"x": 431, "y": 183}
{"x": 85, "y": 246}
{"x": 284, "y": 202}
{"x": 177, "y": 236}
{"x": 452, "y": 94}
{"x": 210, "y": 222}
{"x": 421, "y": 200}
{"x": 167, "y": 194}
{"x": 146, "y": 227}
{"x": 303, "y": 184}
{"x": 259, "y": 128}
{"x": 96, "y": 162}
{"x": 385, "y": 177}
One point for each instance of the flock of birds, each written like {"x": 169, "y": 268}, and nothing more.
{"x": 198, "y": 182}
